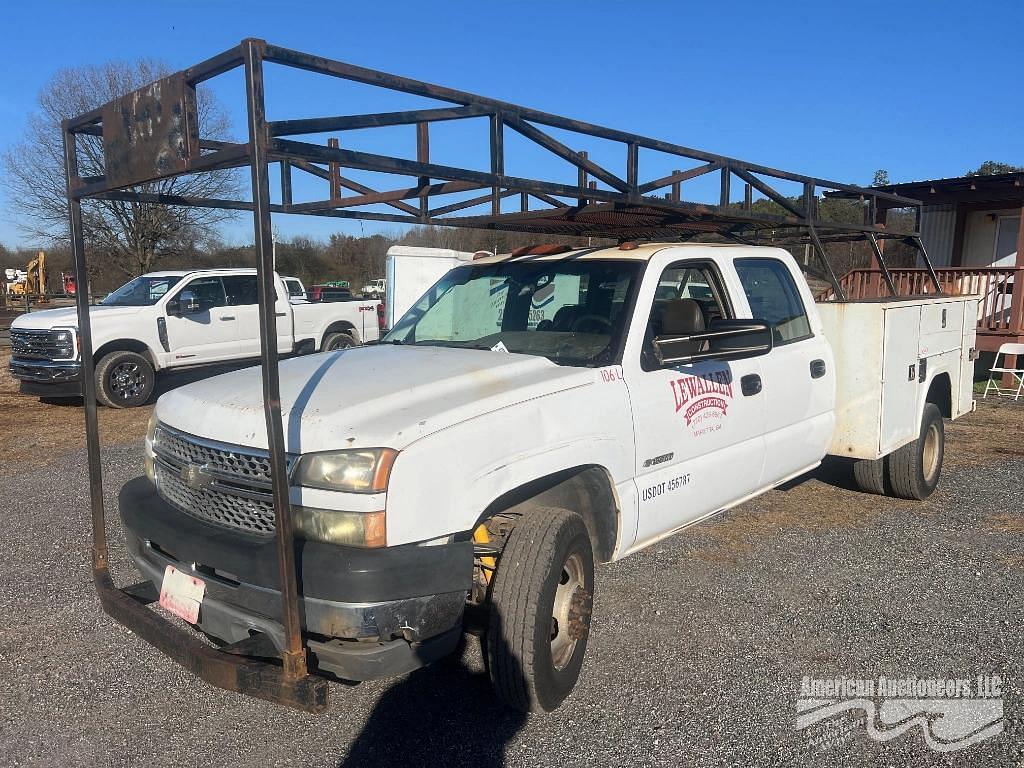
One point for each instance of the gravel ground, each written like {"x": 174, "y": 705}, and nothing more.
{"x": 696, "y": 657}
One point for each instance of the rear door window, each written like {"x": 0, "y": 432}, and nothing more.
{"x": 241, "y": 290}
{"x": 774, "y": 298}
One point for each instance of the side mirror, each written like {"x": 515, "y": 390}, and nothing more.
{"x": 725, "y": 340}
{"x": 186, "y": 303}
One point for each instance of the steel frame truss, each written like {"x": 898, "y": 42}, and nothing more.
{"x": 621, "y": 205}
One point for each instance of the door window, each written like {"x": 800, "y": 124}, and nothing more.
{"x": 686, "y": 292}
{"x": 241, "y": 290}
{"x": 209, "y": 292}
{"x": 773, "y": 298}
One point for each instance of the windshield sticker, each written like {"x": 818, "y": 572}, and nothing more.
{"x": 500, "y": 347}
{"x": 543, "y": 295}
{"x": 703, "y": 399}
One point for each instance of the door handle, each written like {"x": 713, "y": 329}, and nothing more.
{"x": 750, "y": 384}
{"x": 280, "y": 314}
{"x": 817, "y": 369}
{"x": 227, "y": 317}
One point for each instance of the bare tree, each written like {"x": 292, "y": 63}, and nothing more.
{"x": 130, "y": 236}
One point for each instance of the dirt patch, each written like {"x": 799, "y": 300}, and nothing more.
{"x": 994, "y": 431}
{"x": 1005, "y": 522}
{"x": 39, "y": 432}
{"x": 828, "y": 498}
{"x": 823, "y": 501}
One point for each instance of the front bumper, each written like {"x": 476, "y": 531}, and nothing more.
{"x": 48, "y": 378}
{"x": 366, "y": 614}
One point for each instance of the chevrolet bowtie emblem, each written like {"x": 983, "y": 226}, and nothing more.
{"x": 196, "y": 477}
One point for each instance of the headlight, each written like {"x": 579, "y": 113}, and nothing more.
{"x": 356, "y": 529}
{"x": 149, "y": 457}
{"x": 359, "y": 471}
{"x": 65, "y": 346}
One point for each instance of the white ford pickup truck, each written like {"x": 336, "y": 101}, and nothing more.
{"x": 528, "y": 417}
{"x": 166, "y": 320}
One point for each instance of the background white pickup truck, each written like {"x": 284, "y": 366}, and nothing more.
{"x": 166, "y": 320}
{"x": 525, "y": 418}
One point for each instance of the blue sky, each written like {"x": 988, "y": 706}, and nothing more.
{"x": 833, "y": 89}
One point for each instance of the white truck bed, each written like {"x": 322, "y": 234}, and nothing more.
{"x": 875, "y": 414}
{"x": 411, "y": 270}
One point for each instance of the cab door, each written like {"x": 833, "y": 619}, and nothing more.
{"x": 204, "y": 336}
{"x": 798, "y": 374}
{"x": 699, "y": 427}
{"x": 243, "y": 301}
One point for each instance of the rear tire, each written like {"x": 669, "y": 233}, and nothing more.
{"x": 870, "y": 475}
{"x": 915, "y": 468}
{"x": 336, "y": 341}
{"x": 541, "y": 598}
{"x": 124, "y": 380}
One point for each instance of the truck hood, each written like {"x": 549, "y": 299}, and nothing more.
{"x": 374, "y": 396}
{"x": 67, "y": 317}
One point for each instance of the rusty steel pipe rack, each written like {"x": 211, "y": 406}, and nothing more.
{"x": 602, "y": 203}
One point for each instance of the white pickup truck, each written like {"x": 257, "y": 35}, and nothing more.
{"x": 528, "y": 417}
{"x": 166, "y": 320}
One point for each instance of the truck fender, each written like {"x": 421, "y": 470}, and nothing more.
{"x": 939, "y": 392}
{"x": 586, "y": 490}
{"x": 579, "y": 475}
{"x": 127, "y": 345}
{"x": 340, "y": 326}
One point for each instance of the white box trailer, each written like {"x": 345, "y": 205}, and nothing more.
{"x": 902, "y": 338}
{"x": 411, "y": 270}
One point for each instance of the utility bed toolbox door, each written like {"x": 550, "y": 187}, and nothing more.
{"x": 965, "y": 402}
{"x": 899, "y": 376}
{"x": 941, "y": 328}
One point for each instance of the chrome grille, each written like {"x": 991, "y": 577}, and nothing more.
{"x": 234, "y": 490}
{"x": 247, "y": 465}
{"x": 39, "y": 344}
{"x": 214, "y": 506}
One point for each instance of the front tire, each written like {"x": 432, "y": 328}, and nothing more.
{"x": 541, "y": 599}
{"x": 915, "y": 468}
{"x": 124, "y": 380}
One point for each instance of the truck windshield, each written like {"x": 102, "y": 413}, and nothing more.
{"x": 571, "y": 312}
{"x": 143, "y": 291}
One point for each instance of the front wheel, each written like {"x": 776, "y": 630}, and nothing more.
{"x": 541, "y": 599}
{"x": 124, "y": 380}
{"x": 914, "y": 469}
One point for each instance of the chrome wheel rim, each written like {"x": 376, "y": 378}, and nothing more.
{"x": 570, "y": 613}
{"x": 338, "y": 343}
{"x": 127, "y": 380}
{"x": 930, "y": 453}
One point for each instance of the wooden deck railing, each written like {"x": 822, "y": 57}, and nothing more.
{"x": 997, "y": 313}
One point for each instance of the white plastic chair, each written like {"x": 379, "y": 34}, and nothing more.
{"x": 1017, "y": 373}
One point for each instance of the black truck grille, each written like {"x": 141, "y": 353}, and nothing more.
{"x": 41, "y": 344}
{"x": 225, "y": 485}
